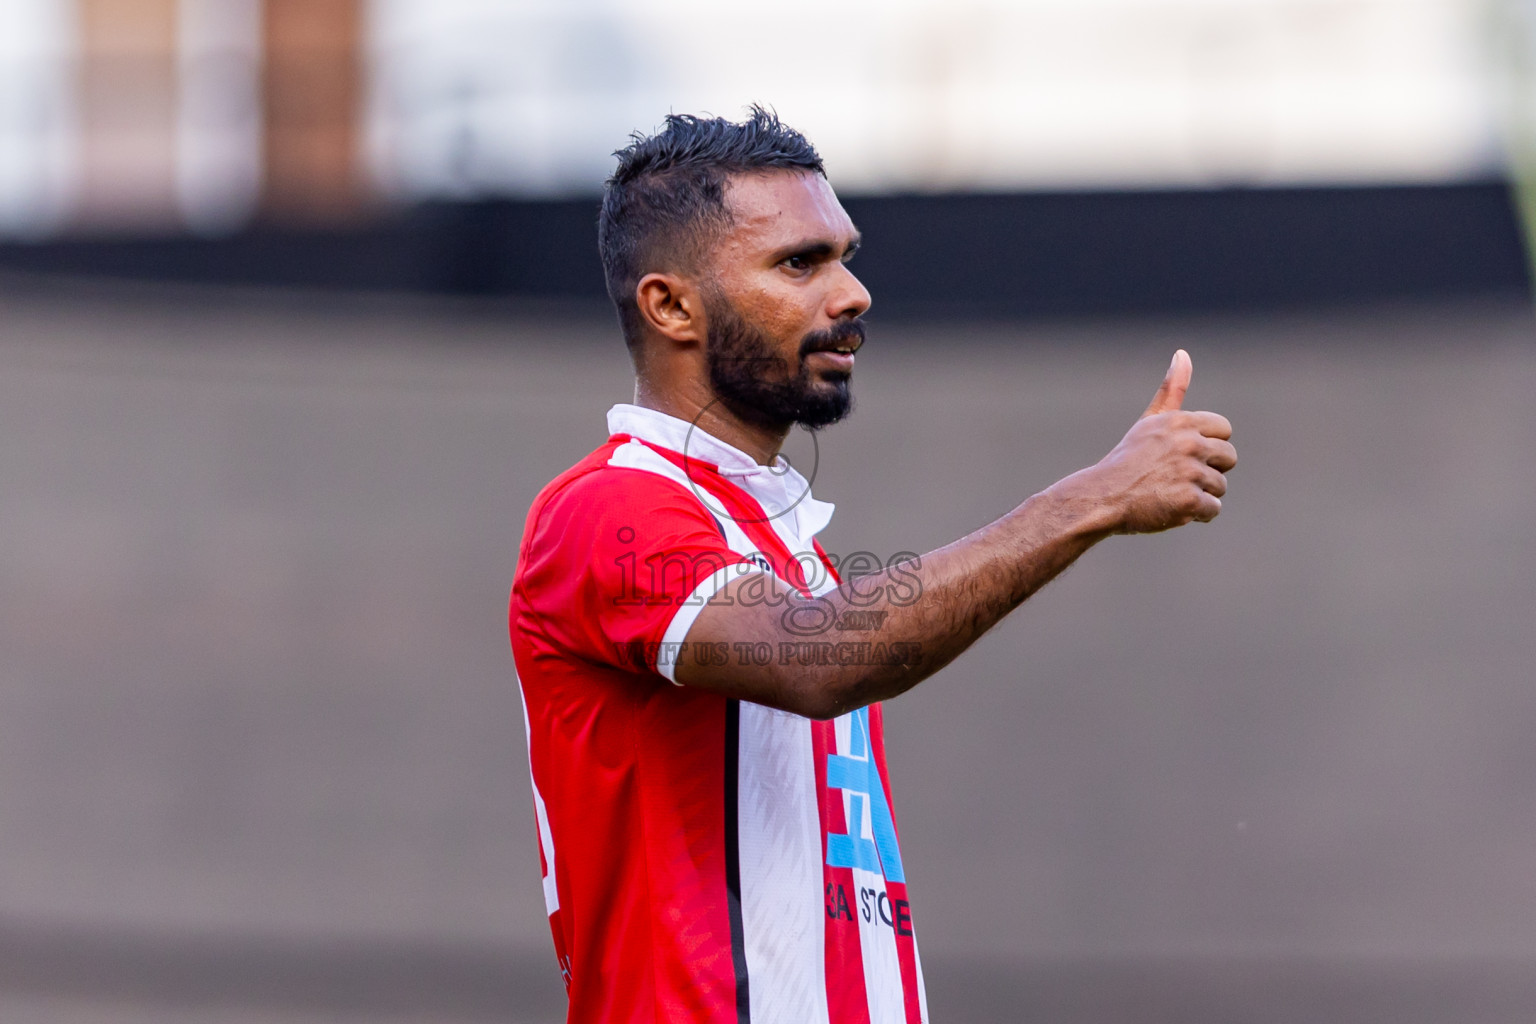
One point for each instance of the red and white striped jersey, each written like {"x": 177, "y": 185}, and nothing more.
{"x": 705, "y": 859}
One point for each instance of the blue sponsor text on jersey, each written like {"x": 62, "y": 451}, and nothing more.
{"x": 857, "y": 775}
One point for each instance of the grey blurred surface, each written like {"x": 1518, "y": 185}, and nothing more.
{"x": 261, "y": 754}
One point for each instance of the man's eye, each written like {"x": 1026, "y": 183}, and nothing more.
{"x": 797, "y": 263}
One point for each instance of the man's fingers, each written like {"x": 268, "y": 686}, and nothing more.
{"x": 1210, "y": 508}
{"x": 1218, "y": 454}
{"x": 1170, "y": 394}
{"x": 1211, "y": 482}
{"x": 1211, "y": 424}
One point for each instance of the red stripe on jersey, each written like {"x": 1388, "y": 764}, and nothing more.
{"x": 847, "y": 1003}
{"x": 906, "y": 938}
{"x": 826, "y": 560}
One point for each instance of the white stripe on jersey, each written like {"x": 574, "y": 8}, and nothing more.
{"x": 877, "y": 939}
{"x": 779, "y": 832}
{"x": 691, "y": 608}
{"x": 541, "y": 812}
{"x": 803, "y": 549}
{"x": 922, "y": 991}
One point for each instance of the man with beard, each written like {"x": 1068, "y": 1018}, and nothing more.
{"x": 709, "y": 772}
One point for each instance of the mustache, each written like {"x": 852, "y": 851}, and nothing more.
{"x": 843, "y": 334}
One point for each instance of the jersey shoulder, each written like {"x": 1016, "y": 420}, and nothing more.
{"x": 623, "y": 498}
{"x": 621, "y": 480}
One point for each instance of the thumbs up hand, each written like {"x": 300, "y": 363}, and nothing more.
{"x": 1170, "y": 468}
{"x": 1170, "y": 393}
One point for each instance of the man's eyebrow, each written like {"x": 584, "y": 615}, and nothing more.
{"x": 820, "y": 248}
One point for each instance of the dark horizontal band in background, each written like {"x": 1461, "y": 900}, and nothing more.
{"x": 308, "y": 979}
{"x": 1028, "y": 254}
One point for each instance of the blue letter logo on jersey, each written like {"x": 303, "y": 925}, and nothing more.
{"x": 857, "y": 775}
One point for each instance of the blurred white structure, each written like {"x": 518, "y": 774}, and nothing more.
{"x": 476, "y": 96}
{"x": 37, "y": 153}
{"x": 135, "y": 114}
{"x": 218, "y": 142}
{"x": 126, "y": 115}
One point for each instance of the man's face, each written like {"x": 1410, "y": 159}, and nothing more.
{"x": 782, "y": 307}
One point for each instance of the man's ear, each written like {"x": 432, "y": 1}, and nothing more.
{"x": 672, "y": 307}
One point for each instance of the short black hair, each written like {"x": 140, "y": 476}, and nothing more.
{"x": 665, "y": 203}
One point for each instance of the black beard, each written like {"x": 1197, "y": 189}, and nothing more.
{"x": 756, "y": 385}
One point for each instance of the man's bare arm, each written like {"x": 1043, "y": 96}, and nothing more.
{"x": 1168, "y": 470}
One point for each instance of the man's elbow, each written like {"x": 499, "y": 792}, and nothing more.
{"x": 818, "y": 699}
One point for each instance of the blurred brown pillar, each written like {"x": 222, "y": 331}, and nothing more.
{"x": 312, "y": 98}
{"x": 127, "y": 110}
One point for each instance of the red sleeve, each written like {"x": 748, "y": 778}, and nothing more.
{"x": 618, "y": 563}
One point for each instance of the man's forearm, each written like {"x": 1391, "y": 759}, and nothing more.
{"x": 928, "y": 611}
{"x": 966, "y": 588}
{"x": 1167, "y": 471}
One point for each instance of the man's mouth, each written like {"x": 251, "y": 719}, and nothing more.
{"x": 840, "y": 359}
{"x": 838, "y": 344}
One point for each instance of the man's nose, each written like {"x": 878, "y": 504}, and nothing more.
{"x": 848, "y": 297}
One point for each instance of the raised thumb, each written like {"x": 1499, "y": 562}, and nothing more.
{"x": 1170, "y": 393}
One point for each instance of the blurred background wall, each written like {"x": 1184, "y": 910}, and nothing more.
{"x": 300, "y": 307}
{"x": 1167, "y": 154}
{"x": 467, "y": 98}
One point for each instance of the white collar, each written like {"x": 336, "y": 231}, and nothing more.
{"x": 678, "y": 435}
{"x": 775, "y": 487}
